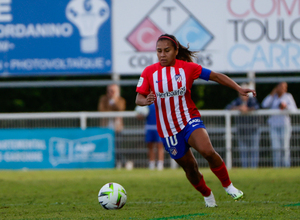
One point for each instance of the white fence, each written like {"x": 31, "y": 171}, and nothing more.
{"x": 222, "y": 126}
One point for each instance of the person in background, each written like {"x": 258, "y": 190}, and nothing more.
{"x": 248, "y": 132}
{"x": 112, "y": 101}
{"x": 168, "y": 84}
{"x": 280, "y": 125}
{"x": 151, "y": 136}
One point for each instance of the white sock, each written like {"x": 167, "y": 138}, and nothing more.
{"x": 210, "y": 196}
{"x": 160, "y": 165}
{"x": 151, "y": 165}
{"x": 229, "y": 188}
{"x": 210, "y": 200}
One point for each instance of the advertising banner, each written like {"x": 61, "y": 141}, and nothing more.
{"x": 263, "y": 35}
{"x": 230, "y": 35}
{"x": 55, "y": 37}
{"x": 57, "y": 148}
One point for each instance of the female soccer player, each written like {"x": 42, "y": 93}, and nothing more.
{"x": 168, "y": 84}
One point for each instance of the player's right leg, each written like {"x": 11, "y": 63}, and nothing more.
{"x": 180, "y": 151}
{"x": 190, "y": 166}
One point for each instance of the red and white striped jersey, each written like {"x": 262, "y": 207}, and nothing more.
{"x": 172, "y": 86}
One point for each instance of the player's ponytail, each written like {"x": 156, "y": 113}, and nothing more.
{"x": 183, "y": 52}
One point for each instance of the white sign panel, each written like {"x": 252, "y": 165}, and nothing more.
{"x": 263, "y": 35}
{"x": 230, "y": 35}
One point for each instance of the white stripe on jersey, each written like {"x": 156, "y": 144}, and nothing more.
{"x": 158, "y": 101}
{"x": 185, "y": 108}
{"x": 167, "y": 100}
{"x": 176, "y": 99}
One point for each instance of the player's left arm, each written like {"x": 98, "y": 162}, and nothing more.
{"x": 226, "y": 81}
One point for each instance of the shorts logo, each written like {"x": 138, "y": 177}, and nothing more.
{"x": 197, "y": 120}
{"x": 172, "y": 17}
{"x": 173, "y": 151}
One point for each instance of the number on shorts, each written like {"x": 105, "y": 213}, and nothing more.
{"x": 171, "y": 140}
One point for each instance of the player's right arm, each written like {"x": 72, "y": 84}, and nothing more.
{"x": 144, "y": 95}
{"x": 143, "y": 100}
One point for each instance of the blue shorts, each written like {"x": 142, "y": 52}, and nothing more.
{"x": 177, "y": 145}
{"x": 152, "y": 136}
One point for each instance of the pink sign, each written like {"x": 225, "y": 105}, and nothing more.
{"x": 144, "y": 36}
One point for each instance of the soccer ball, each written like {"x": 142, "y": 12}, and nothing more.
{"x": 142, "y": 110}
{"x": 112, "y": 196}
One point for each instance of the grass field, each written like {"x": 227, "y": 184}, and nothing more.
{"x": 156, "y": 195}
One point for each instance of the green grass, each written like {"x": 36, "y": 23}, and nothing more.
{"x": 72, "y": 194}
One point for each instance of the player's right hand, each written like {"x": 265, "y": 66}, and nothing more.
{"x": 150, "y": 98}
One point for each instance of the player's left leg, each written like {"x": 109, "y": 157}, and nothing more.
{"x": 200, "y": 141}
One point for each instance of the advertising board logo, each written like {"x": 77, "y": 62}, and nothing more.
{"x": 97, "y": 148}
{"x": 171, "y": 17}
{"x": 88, "y": 16}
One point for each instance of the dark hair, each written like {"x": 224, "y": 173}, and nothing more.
{"x": 183, "y": 52}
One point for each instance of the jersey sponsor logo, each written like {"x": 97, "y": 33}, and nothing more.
{"x": 196, "y": 120}
{"x": 178, "y": 92}
{"x": 141, "y": 80}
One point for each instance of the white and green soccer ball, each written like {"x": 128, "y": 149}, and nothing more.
{"x": 112, "y": 196}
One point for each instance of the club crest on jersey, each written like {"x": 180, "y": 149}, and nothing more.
{"x": 178, "y": 92}
{"x": 178, "y": 78}
{"x": 173, "y": 151}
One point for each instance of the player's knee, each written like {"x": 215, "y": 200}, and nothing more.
{"x": 209, "y": 154}
{"x": 191, "y": 168}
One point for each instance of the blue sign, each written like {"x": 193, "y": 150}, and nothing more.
{"x": 55, "y": 37}
{"x": 57, "y": 148}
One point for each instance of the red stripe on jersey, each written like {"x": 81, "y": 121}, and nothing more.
{"x": 163, "y": 104}
{"x": 158, "y": 125}
{"x": 172, "y": 101}
{"x": 192, "y": 105}
{"x": 159, "y": 128}
{"x": 180, "y": 99}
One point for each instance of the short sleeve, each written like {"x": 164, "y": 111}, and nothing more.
{"x": 143, "y": 86}
{"x": 196, "y": 69}
{"x": 199, "y": 72}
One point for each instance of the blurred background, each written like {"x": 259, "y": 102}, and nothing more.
{"x": 59, "y": 57}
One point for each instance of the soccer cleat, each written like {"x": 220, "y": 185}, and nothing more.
{"x": 210, "y": 201}
{"x": 234, "y": 192}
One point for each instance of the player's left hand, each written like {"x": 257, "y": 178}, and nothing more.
{"x": 247, "y": 92}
